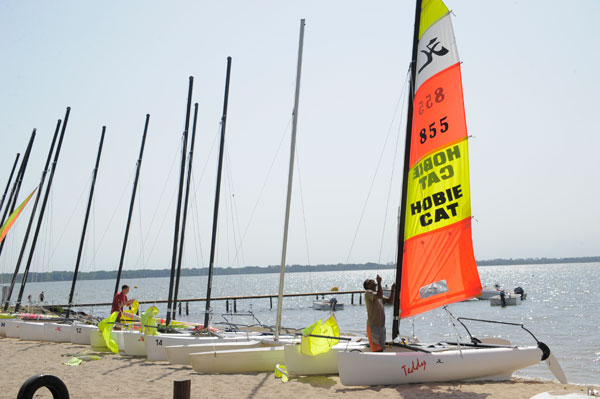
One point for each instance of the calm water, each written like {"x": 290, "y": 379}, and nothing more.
{"x": 561, "y": 307}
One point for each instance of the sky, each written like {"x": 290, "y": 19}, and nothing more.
{"x": 530, "y": 88}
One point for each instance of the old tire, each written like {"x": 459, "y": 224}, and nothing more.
{"x": 54, "y": 384}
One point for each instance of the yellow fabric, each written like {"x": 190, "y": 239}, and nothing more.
{"x": 13, "y": 217}
{"x": 135, "y": 306}
{"x": 130, "y": 315}
{"x": 105, "y": 327}
{"x": 148, "y": 322}
{"x": 74, "y": 361}
{"x": 281, "y": 372}
{"x": 177, "y": 324}
{"x": 438, "y": 191}
{"x": 313, "y": 346}
{"x": 431, "y": 11}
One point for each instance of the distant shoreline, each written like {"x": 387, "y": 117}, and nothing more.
{"x": 6, "y": 278}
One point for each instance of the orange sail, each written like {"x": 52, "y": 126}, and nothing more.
{"x": 13, "y": 217}
{"x": 438, "y": 261}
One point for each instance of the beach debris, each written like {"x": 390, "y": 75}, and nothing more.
{"x": 52, "y": 383}
{"x": 74, "y": 361}
{"x": 281, "y": 372}
{"x": 78, "y": 358}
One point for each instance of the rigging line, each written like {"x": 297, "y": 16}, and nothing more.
{"x": 196, "y": 226}
{"x": 235, "y": 219}
{"x": 41, "y": 257}
{"x": 302, "y": 205}
{"x": 394, "y": 158}
{"x": 362, "y": 214}
{"x": 141, "y": 258}
{"x": 226, "y": 208}
{"x": 110, "y": 220}
{"x": 51, "y": 216}
{"x": 216, "y": 137}
{"x": 165, "y": 214}
{"x": 299, "y": 174}
{"x": 277, "y": 152}
{"x": 85, "y": 251}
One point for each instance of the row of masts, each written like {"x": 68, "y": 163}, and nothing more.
{"x": 10, "y": 199}
{"x": 181, "y": 208}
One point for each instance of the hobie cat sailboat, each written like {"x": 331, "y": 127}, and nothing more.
{"x": 436, "y": 264}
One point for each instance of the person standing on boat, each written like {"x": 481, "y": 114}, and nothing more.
{"x": 120, "y": 300}
{"x": 374, "y": 300}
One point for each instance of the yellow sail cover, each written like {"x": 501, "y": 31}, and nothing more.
{"x": 313, "y": 346}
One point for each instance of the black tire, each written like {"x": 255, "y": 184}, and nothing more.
{"x": 54, "y": 384}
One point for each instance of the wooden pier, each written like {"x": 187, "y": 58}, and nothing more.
{"x": 317, "y": 295}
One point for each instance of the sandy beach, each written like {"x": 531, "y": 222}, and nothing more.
{"x": 119, "y": 376}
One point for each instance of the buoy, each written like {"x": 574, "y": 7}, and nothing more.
{"x": 53, "y": 383}
{"x": 335, "y": 288}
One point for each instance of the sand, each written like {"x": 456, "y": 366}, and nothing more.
{"x": 116, "y": 376}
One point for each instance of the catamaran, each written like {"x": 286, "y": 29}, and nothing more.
{"x": 436, "y": 264}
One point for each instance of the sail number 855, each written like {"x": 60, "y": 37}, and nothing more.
{"x": 433, "y": 129}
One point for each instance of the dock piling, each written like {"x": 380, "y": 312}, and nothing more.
{"x": 182, "y": 389}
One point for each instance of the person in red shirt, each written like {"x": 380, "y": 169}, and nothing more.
{"x": 120, "y": 300}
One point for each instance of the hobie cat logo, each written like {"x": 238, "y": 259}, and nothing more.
{"x": 431, "y": 50}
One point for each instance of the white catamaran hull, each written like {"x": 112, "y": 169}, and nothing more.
{"x": 133, "y": 344}
{"x": 31, "y": 331}
{"x": 80, "y": 333}
{"x": 326, "y": 363}
{"x": 3, "y": 326}
{"x": 155, "y": 344}
{"x": 253, "y": 360}
{"x": 12, "y": 327}
{"x": 391, "y": 368}
{"x": 97, "y": 340}
{"x": 57, "y": 332}
{"x": 182, "y": 354}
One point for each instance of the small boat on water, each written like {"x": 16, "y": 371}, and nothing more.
{"x": 487, "y": 292}
{"x": 505, "y": 299}
{"x": 328, "y": 304}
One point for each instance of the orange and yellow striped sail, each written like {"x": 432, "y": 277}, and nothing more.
{"x": 438, "y": 261}
{"x": 13, "y": 217}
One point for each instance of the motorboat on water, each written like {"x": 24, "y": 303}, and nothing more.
{"x": 328, "y": 304}
{"x": 505, "y": 299}
{"x": 489, "y": 292}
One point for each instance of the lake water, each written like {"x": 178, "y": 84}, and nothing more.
{"x": 561, "y": 309}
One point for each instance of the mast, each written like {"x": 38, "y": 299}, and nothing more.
{"x": 9, "y": 179}
{"x": 138, "y": 166}
{"x": 290, "y": 181}
{"x": 401, "y": 225}
{"x": 32, "y": 217}
{"x": 170, "y": 305}
{"x": 87, "y": 214}
{"x": 185, "y": 205}
{"x": 14, "y": 192}
{"x": 42, "y": 210}
{"x": 217, "y": 194}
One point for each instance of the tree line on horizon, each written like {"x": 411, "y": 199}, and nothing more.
{"x": 150, "y": 273}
